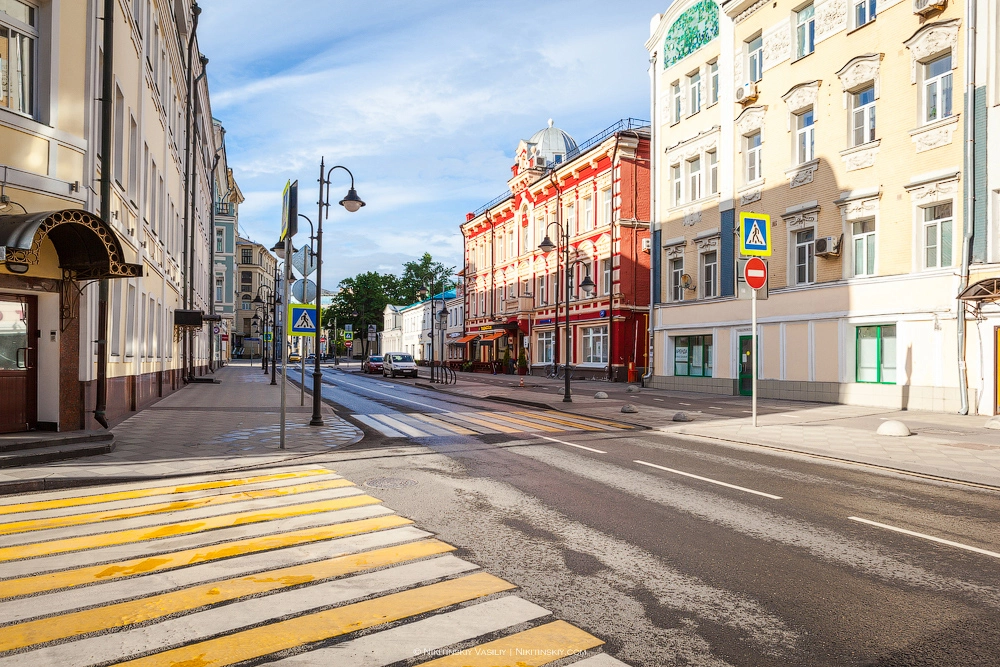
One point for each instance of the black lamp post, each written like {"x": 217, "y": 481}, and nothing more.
{"x": 587, "y": 285}
{"x": 270, "y": 312}
{"x": 442, "y": 318}
{"x": 353, "y": 203}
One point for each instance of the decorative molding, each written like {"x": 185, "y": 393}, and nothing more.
{"x": 751, "y": 120}
{"x": 801, "y": 219}
{"x": 861, "y": 70}
{"x": 802, "y": 174}
{"x": 694, "y": 146}
{"x": 859, "y": 208}
{"x": 931, "y": 40}
{"x": 746, "y": 13}
{"x": 692, "y": 217}
{"x": 694, "y": 28}
{"x": 750, "y": 196}
{"x": 934, "y": 191}
{"x": 802, "y": 96}
{"x": 675, "y": 250}
{"x": 861, "y": 157}
{"x": 935, "y": 134}
{"x": 777, "y": 44}
{"x": 707, "y": 242}
{"x": 831, "y": 17}
{"x": 738, "y": 69}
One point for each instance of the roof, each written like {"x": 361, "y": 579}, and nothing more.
{"x": 551, "y": 142}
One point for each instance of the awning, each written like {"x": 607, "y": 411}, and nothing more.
{"x": 465, "y": 339}
{"x": 492, "y": 336}
{"x": 86, "y": 245}
{"x": 982, "y": 291}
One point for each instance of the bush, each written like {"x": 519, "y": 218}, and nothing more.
{"x": 522, "y": 360}
{"x": 467, "y": 367}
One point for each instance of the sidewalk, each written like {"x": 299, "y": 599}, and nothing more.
{"x": 948, "y": 446}
{"x": 203, "y": 428}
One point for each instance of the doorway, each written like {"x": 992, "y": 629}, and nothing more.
{"x": 18, "y": 363}
{"x": 746, "y": 369}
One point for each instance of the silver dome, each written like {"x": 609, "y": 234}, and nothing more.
{"x": 552, "y": 143}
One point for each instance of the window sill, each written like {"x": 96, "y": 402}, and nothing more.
{"x": 862, "y": 26}
{"x": 803, "y": 56}
{"x": 935, "y": 124}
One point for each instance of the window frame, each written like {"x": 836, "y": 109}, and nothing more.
{"x": 869, "y": 246}
{"x": 805, "y": 136}
{"x": 31, "y": 34}
{"x": 938, "y": 223}
{"x": 694, "y": 92}
{"x": 705, "y": 344}
{"x": 588, "y": 213}
{"x": 607, "y": 276}
{"x": 712, "y": 157}
{"x": 713, "y": 79}
{"x": 607, "y": 206}
{"x": 880, "y": 356}
{"x": 752, "y": 156}
{"x": 808, "y": 247}
{"x": 677, "y": 103}
{"x": 869, "y": 9}
{"x": 676, "y": 275}
{"x": 709, "y": 274}
{"x": 755, "y": 59}
{"x": 805, "y": 31}
{"x": 695, "y": 180}
{"x": 866, "y": 112}
{"x": 676, "y": 184}
{"x": 591, "y": 338}
{"x": 945, "y": 95}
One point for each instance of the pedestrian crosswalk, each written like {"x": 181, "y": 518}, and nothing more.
{"x": 293, "y": 567}
{"x": 422, "y": 425}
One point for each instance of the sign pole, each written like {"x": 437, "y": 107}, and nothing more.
{"x": 284, "y": 330}
{"x": 753, "y": 352}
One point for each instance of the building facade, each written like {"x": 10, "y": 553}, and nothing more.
{"x": 596, "y": 195}
{"x": 391, "y": 336}
{"x": 256, "y": 271}
{"x": 844, "y": 122}
{"x": 65, "y": 262}
{"x": 226, "y": 221}
{"x": 454, "y": 351}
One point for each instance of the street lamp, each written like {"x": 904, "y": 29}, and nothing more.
{"x": 272, "y": 309}
{"x": 352, "y": 203}
{"x": 422, "y": 293}
{"x": 442, "y": 319}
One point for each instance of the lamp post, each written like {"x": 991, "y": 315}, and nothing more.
{"x": 587, "y": 285}
{"x": 442, "y": 318}
{"x": 353, "y": 203}
{"x": 422, "y": 293}
{"x": 272, "y": 304}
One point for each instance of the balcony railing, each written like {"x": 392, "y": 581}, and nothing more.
{"x": 225, "y": 208}
{"x": 518, "y": 304}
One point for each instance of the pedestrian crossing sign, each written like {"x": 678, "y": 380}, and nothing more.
{"x": 755, "y": 234}
{"x": 302, "y": 317}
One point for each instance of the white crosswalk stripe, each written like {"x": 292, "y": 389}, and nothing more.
{"x": 424, "y": 425}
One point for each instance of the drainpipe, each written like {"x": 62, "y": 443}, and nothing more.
{"x": 654, "y": 160}
{"x": 211, "y": 262}
{"x": 611, "y": 295}
{"x": 107, "y": 121}
{"x": 970, "y": 195}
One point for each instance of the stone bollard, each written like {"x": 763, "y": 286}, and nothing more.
{"x": 628, "y": 408}
{"x": 682, "y": 417}
{"x": 633, "y": 389}
{"x": 893, "y": 428}
{"x": 601, "y": 394}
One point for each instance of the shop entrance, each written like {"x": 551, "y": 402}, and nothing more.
{"x": 746, "y": 369}
{"x": 18, "y": 363}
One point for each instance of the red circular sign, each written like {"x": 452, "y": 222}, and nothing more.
{"x": 755, "y": 272}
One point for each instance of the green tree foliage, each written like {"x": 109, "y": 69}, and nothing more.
{"x": 425, "y": 272}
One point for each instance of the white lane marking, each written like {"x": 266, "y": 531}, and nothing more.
{"x": 563, "y": 442}
{"x": 382, "y": 393}
{"x": 400, "y": 426}
{"x": 600, "y": 660}
{"x": 712, "y": 407}
{"x": 658, "y": 399}
{"x": 379, "y": 426}
{"x": 706, "y": 479}
{"x": 926, "y": 537}
{"x": 686, "y": 404}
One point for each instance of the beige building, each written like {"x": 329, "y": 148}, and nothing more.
{"x": 843, "y": 121}
{"x": 57, "y": 246}
{"x": 256, "y": 271}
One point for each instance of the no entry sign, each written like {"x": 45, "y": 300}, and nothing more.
{"x": 755, "y": 273}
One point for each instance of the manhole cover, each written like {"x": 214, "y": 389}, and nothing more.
{"x": 389, "y": 483}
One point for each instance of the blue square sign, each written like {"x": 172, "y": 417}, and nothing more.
{"x": 755, "y": 234}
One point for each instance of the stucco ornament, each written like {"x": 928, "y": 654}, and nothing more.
{"x": 707, "y": 243}
{"x": 831, "y": 17}
{"x": 738, "y": 69}
{"x": 861, "y": 70}
{"x": 745, "y": 14}
{"x": 935, "y": 191}
{"x": 935, "y": 136}
{"x": 802, "y": 96}
{"x": 692, "y": 217}
{"x": 694, "y": 28}
{"x": 750, "y": 196}
{"x": 674, "y": 251}
{"x": 932, "y": 39}
{"x": 751, "y": 120}
{"x": 803, "y": 174}
{"x": 861, "y": 157}
{"x": 801, "y": 220}
{"x": 860, "y": 208}
{"x": 777, "y": 44}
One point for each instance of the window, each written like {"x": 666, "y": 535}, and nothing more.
{"x": 676, "y": 279}
{"x": 713, "y": 172}
{"x": 713, "y": 74}
{"x": 512, "y": 243}
{"x": 937, "y": 236}
{"x": 119, "y": 158}
{"x": 710, "y": 275}
{"x": 805, "y": 136}
{"x": 247, "y": 257}
{"x": 864, "y": 12}
{"x": 606, "y": 275}
{"x": 541, "y": 290}
{"x": 571, "y": 219}
{"x": 805, "y": 257}
{"x": 675, "y": 94}
{"x": 753, "y": 157}
{"x": 219, "y": 289}
{"x": 116, "y": 320}
{"x": 693, "y": 356}
{"x": 694, "y": 179}
{"x": 694, "y": 92}
{"x": 587, "y": 222}
{"x": 220, "y": 240}
{"x": 864, "y": 247}
{"x": 675, "y": 178}
{"x": 130, "y": 322}
{"x": 546, "y": 346}
{"x": 18, "y": 39}
{"x": 570, "y": 283}
{"x": 937, "y": 89}
{"x": 606, "y": 206}
{"x": 595, "y": 345}
{"x": 805, "y": 30}
{"x": 525, "y": 239}
{"x": 863, "y": 122}
{"x": 133, "y": 159}
{"x": 876, "y": 354}
{"x": 755, "y": 59}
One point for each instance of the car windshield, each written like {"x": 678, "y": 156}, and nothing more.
{"x": 396, "y": 358}
{"x": 376, "y": 359}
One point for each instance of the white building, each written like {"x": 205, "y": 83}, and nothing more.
{"x": 391, "y": 336}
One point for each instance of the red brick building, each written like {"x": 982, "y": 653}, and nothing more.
{"x": 597, "y": 192}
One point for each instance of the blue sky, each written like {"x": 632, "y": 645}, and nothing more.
{"x": 424, "y": 102}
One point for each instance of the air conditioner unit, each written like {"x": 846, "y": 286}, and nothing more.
{"x": 747, "y": 94}
{"x": 928, "y": 6}
{"x": 646, "y": 245}
{"x": 828, "y": 246}
{"x": 540, "y": 162}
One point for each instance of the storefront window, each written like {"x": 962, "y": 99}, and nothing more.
{"x": 693, "y": 356}
{"x": 595, "y": 345}
{"x": 876, "y": 350}
{"x": 545, "y": 347}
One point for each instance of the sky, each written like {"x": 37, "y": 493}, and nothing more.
{"x": 424, "y": 102}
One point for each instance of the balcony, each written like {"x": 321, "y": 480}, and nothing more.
{"x": 518, "y": 304}
{"x": 225, "y": 208}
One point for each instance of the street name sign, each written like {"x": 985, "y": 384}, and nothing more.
{"x": 302, "y": 318}
{"x": 755, "y": 273}
{"x": 755, "y": 234}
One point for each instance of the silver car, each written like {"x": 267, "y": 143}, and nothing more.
{"x": 398, "y": 363}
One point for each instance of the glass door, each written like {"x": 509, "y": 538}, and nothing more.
{"x": 18, "y": 356}
{"x": 746, "y": 369}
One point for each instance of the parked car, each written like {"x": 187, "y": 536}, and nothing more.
{"x": 294, "y": 358}
{"x": 373, "y": 364}
{"x": 398, "y": 363}
{"x": 311, "y": 359}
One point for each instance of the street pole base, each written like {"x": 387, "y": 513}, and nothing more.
{"x": 316, "y": 422}
{"x": 567, "y": 399}
{"x": 274, "y": 382}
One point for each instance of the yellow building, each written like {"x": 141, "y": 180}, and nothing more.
{"x": 57, "y": 246}
{"x": 843, "y": 121}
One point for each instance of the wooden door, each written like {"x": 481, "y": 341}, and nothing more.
{"x": 18, "y": 363}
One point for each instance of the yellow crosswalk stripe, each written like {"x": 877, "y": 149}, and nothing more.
{"x": 132, "y": 612}
{"x": 41, "y": 583}
{"x": 440, "y": 423}
{"x": 155, "y": 491}
{"x": 506, "y": 416}
{"x": 176, "y": 529}
{"x": 467, "y": 416}
{"x": 274, "y": 637}
{"x": 592, "y": 420}
{"x": 535, "y": 415}
{"x": 161, "y": 508}
{"x": 531, "y": 648}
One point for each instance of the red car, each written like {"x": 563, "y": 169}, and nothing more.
{"x": 372, "y": 364}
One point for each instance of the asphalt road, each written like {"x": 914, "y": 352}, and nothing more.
{"x": 678, "y": 552}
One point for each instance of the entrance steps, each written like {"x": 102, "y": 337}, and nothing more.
{"x": 21, "y": 449}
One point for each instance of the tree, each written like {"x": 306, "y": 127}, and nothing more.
{"x": 425, "y": 272}
{"x": 360, "y": 302}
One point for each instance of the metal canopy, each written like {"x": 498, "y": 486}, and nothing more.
{"x": 86, "y": 245}
{"x": 982, "y": 291}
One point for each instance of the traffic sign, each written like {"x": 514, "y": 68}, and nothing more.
{"x": 304, "y": 261}
{"x": 303, "y": 319}
{"x": 348, "y": 335}
{"x": 216, "y": 329}
{"x": 372, "y": 328}
{"x": 304, "y": 291}
{"x": 267, "y": 337}
{"x": 755, "y": 272}
{"x": 348, "y": 344}
{"x": 348, "y": 327}
{"x": 755, "y": 234}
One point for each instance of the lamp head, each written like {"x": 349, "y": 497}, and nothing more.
{"x": 546, "y": 245}
{"x": 352, "y": 202}
{"x": 422, "y": 292}
{"x": 443, "y": 313}
{"x": 279, "y": 249}
{"x": 204, "y": 61}
{"x": 257, "y": 298}
{"x": 255, "y": 319}
{"x": 587, "y": 285}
